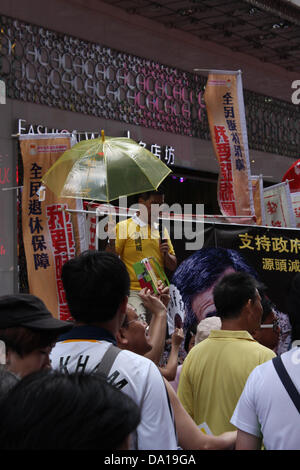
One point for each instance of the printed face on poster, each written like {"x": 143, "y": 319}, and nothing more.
{"x": 270, "y": 254}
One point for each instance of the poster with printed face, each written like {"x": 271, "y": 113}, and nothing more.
{"x": 271, "y": 254}
{"x": 51, "y": 235}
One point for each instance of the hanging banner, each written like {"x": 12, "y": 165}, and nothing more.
{"x": 296, "y": 207}
{"x": 278, "y": 206}
{"x": 226, "y": 116}
{"x": 258, "y": 199}
{"x": 51, "y": 234}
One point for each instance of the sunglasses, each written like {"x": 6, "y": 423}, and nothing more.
{"x": 126, "y": 323}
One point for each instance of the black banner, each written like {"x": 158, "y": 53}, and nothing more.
{"x": 273, "y": 253}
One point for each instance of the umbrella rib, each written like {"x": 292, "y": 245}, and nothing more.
{"x": 105, "y": 166}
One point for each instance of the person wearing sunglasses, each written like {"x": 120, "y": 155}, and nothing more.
{"x": 269, "y": 331}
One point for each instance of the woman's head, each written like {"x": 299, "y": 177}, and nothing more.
{"x": 28, "y": 331}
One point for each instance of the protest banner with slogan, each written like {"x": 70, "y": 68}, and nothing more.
{"x": 258, "y": 199}
{"x": 278, "y": 206}
{"x": 226, "y": 116}
{"x": 51, "y": 235}
{"x": 273, "y": 253}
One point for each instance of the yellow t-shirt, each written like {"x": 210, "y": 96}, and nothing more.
{"x": 214, "y": 373}
{"x": 136, "y": 241}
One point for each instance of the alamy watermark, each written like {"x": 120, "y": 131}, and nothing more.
{"x": 2, "y": 353}
{"x": 2, "y": 92}
{"x": 296, "y": 94}
{"x": 187, "y": 222}
{"x": 296, "y": 353}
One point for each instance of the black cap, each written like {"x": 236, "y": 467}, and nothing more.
{"x": 29, "y": 311}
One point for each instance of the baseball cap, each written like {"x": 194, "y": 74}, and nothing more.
{"x": 29, "y": 311}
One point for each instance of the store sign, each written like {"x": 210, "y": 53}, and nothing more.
{"x": 166, "y": 153}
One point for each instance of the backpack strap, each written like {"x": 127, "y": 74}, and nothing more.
{"x": 107, "y": 360}
{"x": 287, "y": 381}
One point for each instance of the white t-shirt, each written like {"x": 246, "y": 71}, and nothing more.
{"x": 265, "y": 408}
{"x": 134, "y": 375}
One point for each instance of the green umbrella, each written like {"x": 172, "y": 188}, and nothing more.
{"x": 105, "y": 169}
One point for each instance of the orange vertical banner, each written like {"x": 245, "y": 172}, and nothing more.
{"x": 50, "y": 234}
{"x": 226, "y": 116}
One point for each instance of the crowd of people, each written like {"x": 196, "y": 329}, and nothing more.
{"x": 102, "y": 372}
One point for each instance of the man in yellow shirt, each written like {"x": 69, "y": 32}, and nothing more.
{"x": 215, "y": 371}
{"x": 139, "y": 237}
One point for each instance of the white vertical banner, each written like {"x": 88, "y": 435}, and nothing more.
{"x": 278, "y": 206}
{"x": 82, "y": 226}
{"x": 296, "y": 207}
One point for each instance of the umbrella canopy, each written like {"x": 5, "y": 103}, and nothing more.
{"x": 105, "y": 169}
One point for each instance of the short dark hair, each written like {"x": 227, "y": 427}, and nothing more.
{"x": 233, "y": 292}
{"x": 23, "y": 340}
{"x": 266, "y": 303}
{"x": 95, "y": 284}
{"x": 191, "y": 331}
{"x": 53, "y": 410}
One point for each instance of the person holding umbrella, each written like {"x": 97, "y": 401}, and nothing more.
{"x": 140, "y": 237}
{"x": 105, "y": 169}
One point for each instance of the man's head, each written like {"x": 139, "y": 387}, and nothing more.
{"x": 149, "y": 203}
{"x": 236, "y": 298}
{"x": 197, "y": 275}
{"x": 133, "y": 333}
{"x": 269, "y": 331}
{"x": 96, "y": 285}
{"x": 86, "y": 412}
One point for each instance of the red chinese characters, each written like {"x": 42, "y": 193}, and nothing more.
{"x": 63, "y": 243}
{"x": 226, "y": 191}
